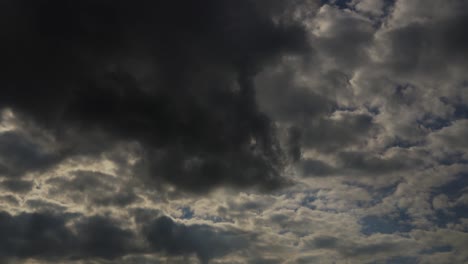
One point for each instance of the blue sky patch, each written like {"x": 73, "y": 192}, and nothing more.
{"x": 386, "y": 224}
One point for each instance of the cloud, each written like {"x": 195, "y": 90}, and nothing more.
{"x": 101, "y": 237}
{"x": 451, "y": 138}
{"x": 29, "y": 235}
{"x": 176, "y": 78}
{"x": 331, "y": 134}
{"x": 377, "y": 248}
{"x": 252, "y": 131}
{"x": 46, "y": 236}
{"x": 374, "y": 8}
{"x": 93, "y": 188}
{"x": 18, "y": 186}
{"x": 172, "y": 238}
{"x": 51, "y": 236}
{"x": 19, "y": 155}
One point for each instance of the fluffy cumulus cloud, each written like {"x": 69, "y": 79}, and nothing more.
{"x": 249, "y": 131}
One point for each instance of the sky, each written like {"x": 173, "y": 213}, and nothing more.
{"x": 229, "y": 132}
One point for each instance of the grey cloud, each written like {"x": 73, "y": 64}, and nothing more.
{"x": 310, "y": 167}
{"x": 264, "y": 261}
{"x": 291, "y": 104}
{"x": 342, "y": 37}
{"x": 29, "y": 235}
{"x": 325, "y": 242}
{"x": 9, "y": 199}
{"x": 17, "y": 186}
{"x": 195, "y": 172}
{"x": 368, "y": 164}
{"x": 121, "y": 199}
{"x": 377, "y": 250}
{"x": 333, "y": 134}
{"x": 40, "y": 205}
{"x": 82, "y": 180}
{"x": 93, "y": 188}
{"x": 175, "y": 77}
{"x": 19, "y": 154}
{"x": 204, "y": 241}
{"x": 428, "y": 47}
{"x": 287, "y": 101}
{"x": 49, "y": 237}
{"x": 372, "y": 249}
{"x": 185, "y": 97}
{"x": 373, "y": 8}
{"x": 451, "y": 137}
{"x": 355, "y": 163}
{"x": 102, "y": 238}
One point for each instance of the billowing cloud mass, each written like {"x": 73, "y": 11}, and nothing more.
{"x": 175, "y": 77}
{"x": 249, "y": 131}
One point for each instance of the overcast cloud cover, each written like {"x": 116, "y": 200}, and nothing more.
{"x": 247, "y": 131}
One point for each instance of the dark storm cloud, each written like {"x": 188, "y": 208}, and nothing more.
{"x": 48, "y": 236}
{"x": 98, "y": 236}
{"x": 176, "y": 77}
{"x": 18, "y": 186}
{"x": 19, "y": 154}
{"x": 204, "y": 241}
{"x": 28, "y": 235}
{"x": 99, "y": 189}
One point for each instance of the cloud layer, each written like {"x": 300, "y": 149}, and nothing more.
{"x": 177, "y": 78}
{"x": 251, "y": 131}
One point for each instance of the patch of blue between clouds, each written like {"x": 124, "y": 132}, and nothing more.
{"x": 387, "y": 5}
{"x": 187, "y": 213}
{"x": 344, "y": 108}
{"x": 438, "y": 249}
{"x": 451, "y": 216}
{"x": 339, "y": 3}
{"x": 453, "y": 158}
{"x": 372, "y": 109}
{"x": 386, "y": 224}
{"x": 460, "y": 108}
{"x": 453, "y": 190}
{"x": 461, "y": 111}
{"x": 218, "y": 219}
{"x": 345, "y": 4}
{"x": 434, "y": 123}
{"x": 306, "y": 201}
{"x": 401, "y": 143}
{"x": 378, "y": 194}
